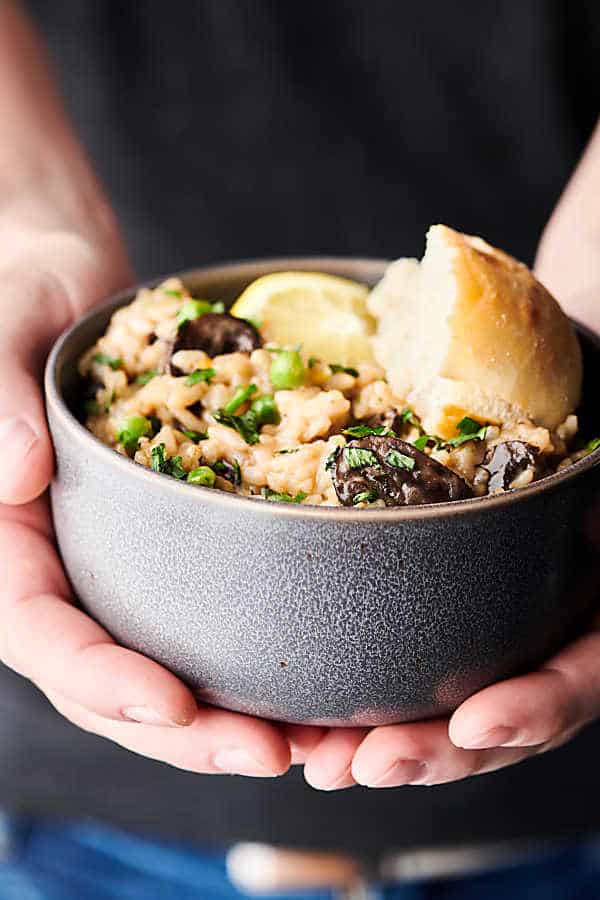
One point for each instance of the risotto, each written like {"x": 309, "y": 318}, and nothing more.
{"x": 182, "y": 387}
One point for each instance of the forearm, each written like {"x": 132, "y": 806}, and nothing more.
{"x": 568, "y": 260}
{"x": 46, "y": 180}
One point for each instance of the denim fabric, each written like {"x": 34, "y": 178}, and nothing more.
{"x": 43, "y": 860}
{"x": 572, "y": 873}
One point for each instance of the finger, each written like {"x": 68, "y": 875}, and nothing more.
{"x": 35, "y": 306}
{"x": 217, "y": 742}
{"x": 27, "y": 457}
{"x": 34, "y": 515}
{"x": 302, "y": 740}
{"x": 328, "y": 767}
{"x": 536, "y": 708}
{"x": 421, "y": 753}
{"x": 43, "y": 312}
{"x": 57, "y": 646}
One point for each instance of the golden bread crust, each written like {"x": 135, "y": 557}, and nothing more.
{"x": 508, "y": 333}
{"x": 470, "y": 330}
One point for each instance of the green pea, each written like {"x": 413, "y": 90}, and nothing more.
{"x": 202, "y": 475}
{"x": 131, "y": 430}
{"x": 287, "y": 370}
{"x": 266, "y": 410}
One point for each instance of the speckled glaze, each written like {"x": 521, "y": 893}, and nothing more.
{"x": 316, "y": 614}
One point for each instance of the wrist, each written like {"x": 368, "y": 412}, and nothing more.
{"x": 55, "y": 215}
{"x": 53, "y": 190}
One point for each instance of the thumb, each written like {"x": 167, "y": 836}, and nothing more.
{"x": 36, "y": 305}
{"x": 33, "y": 309}
{"x": 26, "y": 451}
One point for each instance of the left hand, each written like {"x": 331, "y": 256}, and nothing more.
{"x": 521, "y": 717}
{"x": 499, "y": 726}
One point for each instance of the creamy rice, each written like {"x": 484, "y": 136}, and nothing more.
{"x": 127, "y": 374}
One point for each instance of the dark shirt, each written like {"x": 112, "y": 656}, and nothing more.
{"x": 239, "y": 128}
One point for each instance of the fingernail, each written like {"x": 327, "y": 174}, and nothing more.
{"x": 17, "y": 435}
{"x": 500, "y": 736}
{"x": 403, "y": 771}
{"x": 145, "y": 715}
{"x": 237, "y": 761}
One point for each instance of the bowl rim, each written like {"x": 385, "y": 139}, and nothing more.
{"x": 231, "y": 501}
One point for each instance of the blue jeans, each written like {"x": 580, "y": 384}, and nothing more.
{"x": 84, "y": 861}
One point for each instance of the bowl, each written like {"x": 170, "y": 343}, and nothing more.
{"x": 309, "y": 614}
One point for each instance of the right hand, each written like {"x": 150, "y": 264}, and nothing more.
{"x": 47, "y": 280}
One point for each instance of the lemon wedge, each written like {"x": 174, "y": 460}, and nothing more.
{"x": 326, "y": 314}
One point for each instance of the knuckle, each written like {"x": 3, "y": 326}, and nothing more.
{"x": 480, "y": 761}
{"x": 556, "y": 723}
{"x": 409, "y": 746}
{"x": 562, "y": 707}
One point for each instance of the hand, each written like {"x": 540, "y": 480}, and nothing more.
{"x": 47, "y": 280}
{"x": 520, "y": 717}
{"x": 60, "y": 252}
{"x": 499, "y": 726}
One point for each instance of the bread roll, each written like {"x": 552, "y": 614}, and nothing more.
{"x": 469, "y": 331}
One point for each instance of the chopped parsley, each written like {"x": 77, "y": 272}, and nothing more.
{"x": 240, "y": 397}
{"x": 291, "y": 450}
{"x": 400, "y": 460}
{"x": 176, "y": 467}
{"x": 468, "y": 430}
{"x": 172, "y": 466}
{"x": 425, "y": 439}
{"x": 312, "y": 360}
{"x": 408, "y": 417}
{"x": 359, "y": 431}
{"x": 103, "y": 359}
{"x": 230, "y": 471}
{"x": 263, "y": 411}
{"x": 268, "y": 494}
{"x": 357, "y": 458}
{"x": 331, "y": 458}
{"x": 196, "y": 436}
{"x": 199, "y": 375}
{"x": 593, "y": 444}
{"x": 159, "y": 458}
{"x": 365, "y": 497}
{"x": 145, "y": 377}
{"x": 335, "y": 368}
{"x": 245, "y": 425}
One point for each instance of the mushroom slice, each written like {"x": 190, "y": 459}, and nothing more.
{"x": 390, "y": 419}
{"x": 383, "y": 467}
{"x": 216, "y": 334}
{"x": 506, "y": 461}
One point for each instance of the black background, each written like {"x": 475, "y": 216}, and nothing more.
{"x": 230, "y": 129}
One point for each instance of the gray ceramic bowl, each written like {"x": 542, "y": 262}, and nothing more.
{"x": 316, "y": 614}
